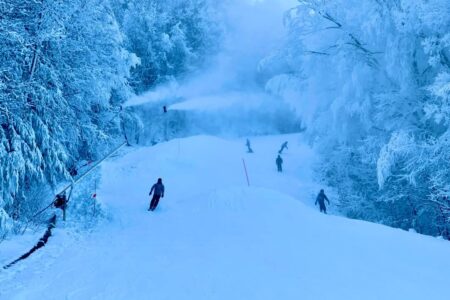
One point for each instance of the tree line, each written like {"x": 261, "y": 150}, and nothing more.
{"x": 66, "y": 68}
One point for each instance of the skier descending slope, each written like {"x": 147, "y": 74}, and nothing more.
{"x": 283, "y": 146}
{"x": 158, "y": 189}
{"x": 249, "y": 147}
{"x": 321, "y": 199}
{"x": 279, "y": 162}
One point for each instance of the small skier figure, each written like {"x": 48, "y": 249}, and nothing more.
{"x": 279, "y": 162}
{"x": 249, "y": 147}
{"x": 158, "y": 189}
{"x": 321, "y": 199}
{"x": 164, "y": 109}
{"x": 283, "y": 146}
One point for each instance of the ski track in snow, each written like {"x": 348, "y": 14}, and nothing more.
{"x": 212, "y": 237}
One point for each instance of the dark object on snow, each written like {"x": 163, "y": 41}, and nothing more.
{"x": 42, "y": 241}
{"x": 158, "y": 192}
{"x": 73, "y": 171}
{"x": 279, "y": 162}
{"x": 321, "y": 200}
{"x": 60, "y": 201}
{"x": 249, "y": 147}
{"x": 283, "y": 146}
{"x": 164, "y": 109}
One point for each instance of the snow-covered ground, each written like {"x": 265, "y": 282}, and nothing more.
{"x": 214, "y": 237}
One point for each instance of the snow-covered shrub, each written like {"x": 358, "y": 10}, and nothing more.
{"x": 132, "y": 127}
{"x": 84, "y": 209}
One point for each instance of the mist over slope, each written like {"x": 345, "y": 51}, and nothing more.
{"x": 227, "y": 97}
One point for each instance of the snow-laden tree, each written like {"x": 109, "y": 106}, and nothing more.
{"x": 370, "y": 80}
{"x": 65, "y": 70}
{"x": 168, "y": 37}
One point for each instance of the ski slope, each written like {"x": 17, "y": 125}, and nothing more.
{"x": 214, "y": 237}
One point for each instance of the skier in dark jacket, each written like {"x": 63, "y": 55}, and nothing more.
{"x": 279, "y": 162}
{"x": 321, "y": 199}
{"x": 249, "y": 147}
{"x": 158, "y": 192}
{"x": 283, "y": 146}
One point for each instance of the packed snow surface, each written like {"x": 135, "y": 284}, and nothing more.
{"x": 214, "y": 237}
